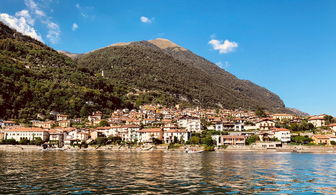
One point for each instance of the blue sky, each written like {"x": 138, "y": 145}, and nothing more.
{"x": 287, "y": 46}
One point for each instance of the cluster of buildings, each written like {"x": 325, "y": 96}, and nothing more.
{"x": 168, "y": 125}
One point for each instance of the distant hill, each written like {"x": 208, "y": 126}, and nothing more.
{"x": 298, "y": 112}
{"x": 161, "y": 71}
{"x": 34, "y": 78}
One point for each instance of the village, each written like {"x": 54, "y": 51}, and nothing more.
{"x": 156, "y": 124}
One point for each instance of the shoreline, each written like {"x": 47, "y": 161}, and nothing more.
{"x": 163, "y": 148}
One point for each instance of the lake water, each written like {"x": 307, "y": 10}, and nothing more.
{"x": 169, "y": 173}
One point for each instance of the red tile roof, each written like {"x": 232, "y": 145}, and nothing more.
{"x": 20, "y": 129}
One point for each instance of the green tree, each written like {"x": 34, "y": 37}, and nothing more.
{"x": 37, "y": 141}
{"x": 252, "y": 139}
{"x": 208, "y": 141}
{"x": 260, "y": 112}
{"x": 301, "y": 139}
{"x": 329, "y": 119}
{"x": 195, "y": 140}
{"x": 103, "y": 123}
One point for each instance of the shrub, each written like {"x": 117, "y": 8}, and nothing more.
{"x": 252, "y": 139}
{"x": 208, "y": 141}
{"x": 209, "y": 148}
{"x": 24, "y": 142}
{"x": 37, "y": 141}
{"x": 195, "y": 140}
{"x": 101, "y": 140}
{"x": 10, "y": 141}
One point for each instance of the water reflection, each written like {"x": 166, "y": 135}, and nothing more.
{"x": 172, "y": 172}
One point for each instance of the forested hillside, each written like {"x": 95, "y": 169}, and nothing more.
{"x": 171, "y": 74}
{"x": 35, "y": 79}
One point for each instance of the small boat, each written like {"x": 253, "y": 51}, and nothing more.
{"x": 193, "y": 151}
{"x": 147, "y": 149}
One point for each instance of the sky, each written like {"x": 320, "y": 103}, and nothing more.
{"x": 286, "y": 46}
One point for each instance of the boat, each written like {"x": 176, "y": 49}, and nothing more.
{"x": 193, "y": 151}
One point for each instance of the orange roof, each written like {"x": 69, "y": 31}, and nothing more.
{"x": 55, "y": 131}
{"x": 316, "y": 118}
{"x": 332, "y": 125}
{"x": 233, "y": 136}
{"x": 321, "y": 136}
{"x": 150, "y": 130}
{"x": 104, "y": 128}
{"x": 281, "y": 115}
{"x": 149, "y": 119}
{"x": 280, "y": 129}
{"x": 67, "y": 129}
{"x": 26, "y": 129}
{"x": 8, "y": 122}
{"x": 176, "y": 131}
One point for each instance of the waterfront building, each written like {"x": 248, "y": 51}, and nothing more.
{"x": 176, "y": 135}
{"x": 323, "y": 139}
{"x": 56, "y": 137}
{"x": 230, "y": 139}
{"x": 21, "y": 133}
{"x": 147, "y": 135}
{"x": 268, "y": 145}
{"x": 283, "y": 135}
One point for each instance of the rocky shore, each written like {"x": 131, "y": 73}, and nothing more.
{"x": 151, "y": 148}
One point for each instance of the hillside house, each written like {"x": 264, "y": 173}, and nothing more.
{"x": 317, "y": 121}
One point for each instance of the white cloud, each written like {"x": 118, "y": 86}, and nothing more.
{"x": 226, "y": 64}
{"x": 144, "y": 19}
{"x": 74, "y": 26}
{"x": 85, "y": 11}
{"x": 223, "y": 46}
{"x": 54, "y": 31}
{"x": 25, "y": 13}
{"x": 21, "y": 24}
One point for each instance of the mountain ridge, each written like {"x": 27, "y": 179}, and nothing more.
{"x": 182, "y": 59}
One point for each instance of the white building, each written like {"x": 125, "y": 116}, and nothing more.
{"x": 125, "y": 132}
{"x": 72, "y": 135}
{"x": 283, "y": 116}
{"x": 239, "y": 126}
{"x": 147, "y": 135}
{"x": 317, "y": 121}
{"x": 284, "y": 135}
{"x": 180, "y": 135}
{"x": 265, "y": 124}
{"x": 21, "y": 133}
{"x": 333, "y": 126}
{"x": 191, "y": 124}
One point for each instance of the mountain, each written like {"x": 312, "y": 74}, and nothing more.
{"x": 161, "y": 71}
{"x": 35, "y": 78}
{"x": 298, "y": 112}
